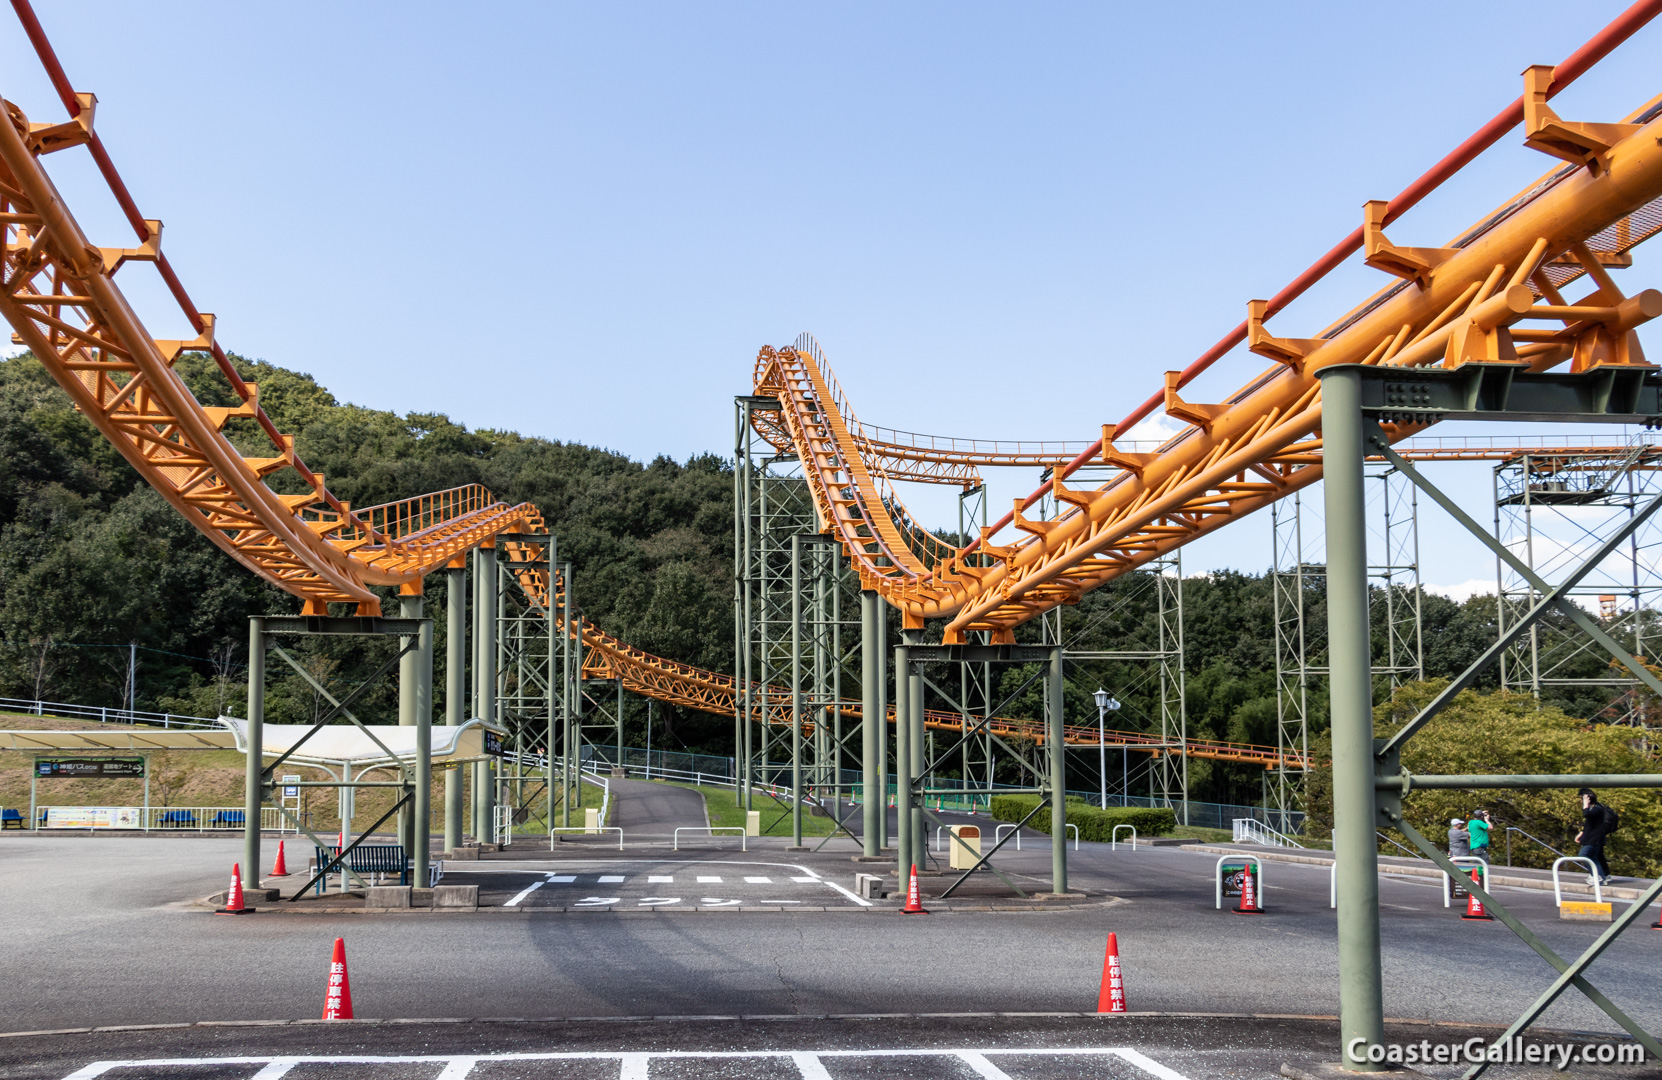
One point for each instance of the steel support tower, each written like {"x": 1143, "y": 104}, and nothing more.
{"x": 1298, "y": 586}
{"x": 1548, "y": 509}
{"x": 800, "y": 624}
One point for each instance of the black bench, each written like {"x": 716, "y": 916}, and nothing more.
{"x": 367, "y": 859}
{"x": 11, "y": 819}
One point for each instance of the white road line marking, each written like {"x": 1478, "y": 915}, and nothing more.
{"x": 610, "y": 879}
{"x": 659, "y": 901}
{"x": 1149, "y": 1065}
{"x": 276, "y": 1070}
{"x": 714, "y": 901}
{"x": 528, "y": 890}
{"x": 806, "y": 880}
{"x": 809, "y": 1066}
{"x": 709, "y": 881}
{"x": 660, "y": 879}
{"x": 758, "y": 881}
{"x": 982, "y": 1066}
{"x": 561, "y": 879}
{"x": 862, "y": 901}
{"x": 633, "y": 1065}
{"x": 598, "y": 901}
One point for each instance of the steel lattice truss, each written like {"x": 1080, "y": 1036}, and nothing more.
{"x": 1482, "y": 298}
{"x": 1454, "y": 305}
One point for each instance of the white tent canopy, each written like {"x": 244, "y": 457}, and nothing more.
{"x": 347, "y": 743}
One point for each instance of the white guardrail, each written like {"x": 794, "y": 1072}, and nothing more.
{"x": 1114, "y": 838}
{"x": 1253, "y": 831}
{"x": 711, "y": 830}
{"x": 1557, "y": 886}
{"x": 1448, "y": 883}
{"x": 156, "y": 818}
{"x": 104, "y": 714}
{"x": 584, "y": 830}
{"x": 1258, "y": 874}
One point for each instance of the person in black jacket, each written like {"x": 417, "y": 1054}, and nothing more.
{"x": 1597, "y": 822}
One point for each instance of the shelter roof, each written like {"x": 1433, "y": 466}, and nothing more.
{"x": 336, "y": 743}
{"x": 332, "y": 745}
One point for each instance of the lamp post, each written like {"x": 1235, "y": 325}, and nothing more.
{"x": 1105, "y": 704}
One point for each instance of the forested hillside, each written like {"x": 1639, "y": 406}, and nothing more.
{"x": 92, "y": 561}
{"x": 91, "y": 557}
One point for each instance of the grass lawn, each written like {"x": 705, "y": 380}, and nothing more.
{"x": 585, "y": 796}
{"x": 726, "y": 812}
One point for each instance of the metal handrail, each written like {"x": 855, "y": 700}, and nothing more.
{"x": 586, "y": 830}
{"x": 1593, "y": 872}
{"x": 1510, "y": 829}
{"x": 1217, "y": 877}
{"x": 712, "y": 830}
{"x": 1476, "y": 862}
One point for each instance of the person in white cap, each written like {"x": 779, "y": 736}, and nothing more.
{"x": 1459, "y": 839}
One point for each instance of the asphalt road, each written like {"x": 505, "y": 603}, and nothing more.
{"x": 989, "y": 1047}
{"x": 100, "y": 931}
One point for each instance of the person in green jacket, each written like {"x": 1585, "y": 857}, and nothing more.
{"x": 1479, "y": 827}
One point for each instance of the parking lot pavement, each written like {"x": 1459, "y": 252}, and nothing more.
{"x": 654, "y": 884}
{"x": 966, "y": 1046}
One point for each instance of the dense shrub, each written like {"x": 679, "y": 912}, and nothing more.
{"x": 1095, "y": 822}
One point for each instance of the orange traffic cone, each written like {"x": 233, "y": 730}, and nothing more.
{"x": 1474, "y": 906}
{"x": 1249, "y": 904}
{"x": 1111, "y": 999}
{"x": 337, "y": 1000}
{"x": 914, "y": 906}
{"x": 233, "y": 896}
{"x": 280, "y": 868}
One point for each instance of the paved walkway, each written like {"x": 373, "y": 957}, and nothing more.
{"x": 647, "y": 808}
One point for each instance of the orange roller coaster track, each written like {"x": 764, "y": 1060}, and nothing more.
{"x": 1489, "y": 296}
{"x": 62, "y": 299}
{"x": 1457, "y": 304}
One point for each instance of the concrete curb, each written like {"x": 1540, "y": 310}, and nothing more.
{"x": 1577, "y": 887}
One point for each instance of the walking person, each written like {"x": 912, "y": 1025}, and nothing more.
{"x": 1478, "y": 829}
{"x": 1598, "y": 822}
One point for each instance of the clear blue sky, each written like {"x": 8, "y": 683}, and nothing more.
{"x": 581, "y": 221}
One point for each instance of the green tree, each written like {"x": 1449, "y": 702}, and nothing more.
{"x": 1505, "y": 733}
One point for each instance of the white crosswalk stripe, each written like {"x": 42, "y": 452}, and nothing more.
{"x": 636, "y": 1065}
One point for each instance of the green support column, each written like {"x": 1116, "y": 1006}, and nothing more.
{"x": 915, "y": 745}
{"x": 484, "y": 684}
{"x": 873, "y": 727}
{"x": 1361, "y": 997}
{"x": 409, "y": 681}
{"x": 796, "y": 690}
{"x": 455, "y": 695}
{"x": 882, "y": 734}
{"x": 904, "y": 855}
{"x": 1058, "y": 776}
{"x": 256, "y": 746}
{"x": 554, "y": 697}
{"x": 569, "y": 702}
{"x": 424, "y": 755}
